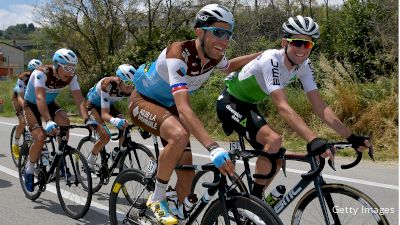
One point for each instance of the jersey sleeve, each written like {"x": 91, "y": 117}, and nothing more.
{"x": 74, "y": 84}
{"x": 20, "y": 86}
{"x": 271, "y": 75}
{"x": 306, "y": 77}
{"x": 39, "y": 79}
{"x": 223, "y": 64}
{"x": 177, "y": 69}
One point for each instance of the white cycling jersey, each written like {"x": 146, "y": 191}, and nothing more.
{"x": 268, "y": 73}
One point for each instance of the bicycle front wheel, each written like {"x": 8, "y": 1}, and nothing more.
{"x": 241, "y": 209}
{"x": 38, "y": 180}
{"x": 74, "y": 185}
{"x": 128, "y": 196}
{"x": 338, "y": 197}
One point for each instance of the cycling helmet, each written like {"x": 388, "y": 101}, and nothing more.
{"x": 33, "y": 64}
{"x": 64, "y": 56}
{"x": 125, "y": 72}
{"x": 301, "y": 25}
{"x": 213, "y": 13}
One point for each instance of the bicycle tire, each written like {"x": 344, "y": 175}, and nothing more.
{"x": 198, "y": 189}
{"x": 242, "y": 209}
{"x": 97, "y": 181}
{"x": 69, "y": 184}
{"x": 137, "y": 157}
{"x": 23, "y": 159}
{"x": 13, "y": 131}
{"x": 128, "y": 196}
{"x": 342, "y": 196}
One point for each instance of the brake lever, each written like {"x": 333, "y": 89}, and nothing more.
{"x": 331, "y": 163}
{"x": 284, "y": 166}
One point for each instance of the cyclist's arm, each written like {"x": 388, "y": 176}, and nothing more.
{"x": 323, "y": 111}
{"x": 106, "y": 85}
{"x": 80, "y": 103}
{"x": 21, "y": 99}
{"x": 237, "y": 63}
{"x": 291, "y": 117}
{"x": 40, "y": 93}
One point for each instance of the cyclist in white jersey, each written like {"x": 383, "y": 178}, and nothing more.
{"x": 101, "y": 99}
{"x": 44, "y": 85}
{"x": 161, "y": 104}
{"x": 18, "y": 103}
{"x": 267, "y": 75}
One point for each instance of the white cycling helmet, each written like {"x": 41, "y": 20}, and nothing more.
{"x": 125, "y": 72}
{"x": 301, "y": 25}
{"x": 33, "y": 64}
{"x": 65, "y": 56}
{"x": 213, "y": 13}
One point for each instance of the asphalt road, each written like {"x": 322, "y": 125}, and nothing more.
{"x": 378, "y": 180}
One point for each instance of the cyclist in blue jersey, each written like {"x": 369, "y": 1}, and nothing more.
{"x": 101, "y": 99}
{"x": 18, "y": 103}
{"x": 267, "y": 75}
{"x": 160, "y": 103}
{"x": 44, "y": 85}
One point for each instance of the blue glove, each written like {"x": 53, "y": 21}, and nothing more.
{"x": 117, "y": 122}
{"x": 50, "y": 126}
{"x": 90, "y": 122}
{"x": 219, "y": 156}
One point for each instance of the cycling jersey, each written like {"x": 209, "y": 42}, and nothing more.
{"x": 22, "y": 81}
{"x": 166, "y": 76}
{"x": 268, "y": 73}
{"x": 106, "y": 92}
{"x": 44, "y": 77}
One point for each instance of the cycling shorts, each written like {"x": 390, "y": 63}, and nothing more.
{"x": 243, "y": 117}
{"x": 33, "y": 116}
{"x": 96, "y": 111}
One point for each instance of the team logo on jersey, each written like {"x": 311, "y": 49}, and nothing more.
{"x": 185, "y": 55}
{"x": 135, "y": 111}
{"x": 108, "y": 88}
{"x": 181, "y": 71}
{"x": 105, "y": 99}
{"x": 275, "y": 73}
{"x": 39, "y": 77}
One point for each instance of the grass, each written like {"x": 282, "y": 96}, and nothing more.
{"x": 366, "y": 108}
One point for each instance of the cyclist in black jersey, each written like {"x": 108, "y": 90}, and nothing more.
{"x": 267, "y": 75}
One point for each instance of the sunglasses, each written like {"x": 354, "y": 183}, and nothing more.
{"x": 127, "y": 82}
{"x": 219, "y": 33}
{"x": 299, "y": 42}
{"x": 68, "y": 68}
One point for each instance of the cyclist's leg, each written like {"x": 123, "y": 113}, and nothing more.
{"x": 32, "y": 116}
{"x": 115, "y": 113}
{"x": 101, "y": 130}
{"x": 21, "y": 125}
{"x": 159, "y": 121}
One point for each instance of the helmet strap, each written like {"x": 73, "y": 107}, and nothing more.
{"x": 291, "y": 62}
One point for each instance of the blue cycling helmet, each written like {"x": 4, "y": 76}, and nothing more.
{"x": 64, "y": 56}
{"x": 125, "y": 72}
{"x": 33, "y": 64}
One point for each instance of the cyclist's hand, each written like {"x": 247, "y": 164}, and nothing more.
{"x": 91, "y": 123}
{"x": 359, "y": 143}
{"x": 119, "y": 123}
{"x": 318, "y": 146}
{"x": 51, "y": 127}
{"x": 221, "y": 160}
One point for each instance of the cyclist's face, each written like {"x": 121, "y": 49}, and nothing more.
{"x": 298, "y": 54}
{"x": 65, "y": 72}
{"x": 127, "y": 89}
{"x": 214, "y": 46}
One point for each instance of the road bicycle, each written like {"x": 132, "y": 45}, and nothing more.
{"x": 132, "y": 188}
{"x": 135, "y": 155}
{"x": 321, "y": 204}
{"x": 73, "y": 184}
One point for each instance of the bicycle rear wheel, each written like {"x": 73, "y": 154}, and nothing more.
{"x": 85, "y": 146}
{"x": 137, "y": 157}
{"x": 242, "y": 209}
{"x": 338, "y": 196}
{"x": 74, "y": 185}
{"x": 128, "y": 196}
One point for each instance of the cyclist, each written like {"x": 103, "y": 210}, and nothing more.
{"x": 100, "y": 102}
{"x": 44, "y": 85}
{"x": 160, "y": 104}
{"x": 267, "y": 75}
{"x": 18, "y": 102}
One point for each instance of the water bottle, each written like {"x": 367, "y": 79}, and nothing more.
{"x": 172, "y": 199}
{"x": 45, "y": 157}
{"x": 187, "y": 206}
{"x": 114, "y": 153}
{"x": 276, "y": 195}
